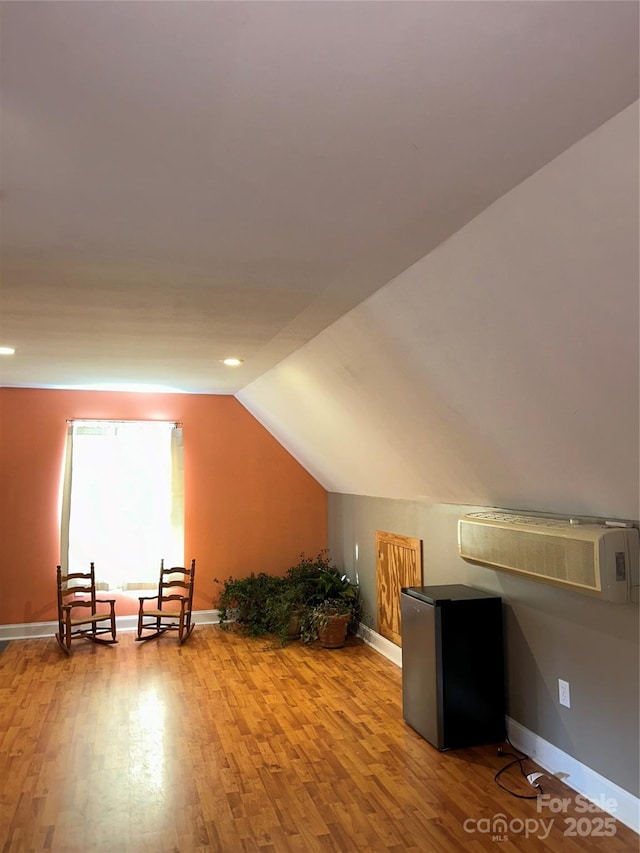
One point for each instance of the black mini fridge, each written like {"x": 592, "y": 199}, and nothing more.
{"x": 453, "y": 690}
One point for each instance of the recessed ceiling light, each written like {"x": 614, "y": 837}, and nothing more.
{"x": 7, "y": 350}
{"x": 232, "y": 362}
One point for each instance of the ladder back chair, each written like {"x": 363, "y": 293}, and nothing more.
{"x": 74, "y": 622}
{"x": 174, "y": 605}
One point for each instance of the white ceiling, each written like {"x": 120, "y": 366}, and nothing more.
{"x": 182, "y": 181}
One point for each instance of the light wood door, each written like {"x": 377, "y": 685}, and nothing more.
{"x": 398, "y": 564}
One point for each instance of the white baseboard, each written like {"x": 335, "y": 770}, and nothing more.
{"x": 610, "y": 797}
{"x": 624, "y": 806}
{"x": 124, "y": 624}
{"x": 383, "y": 646}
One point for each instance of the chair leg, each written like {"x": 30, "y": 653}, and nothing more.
{"x": 62, "y": 645}
{"x": 187, "y": 631}
{"x": 67, "y": 633}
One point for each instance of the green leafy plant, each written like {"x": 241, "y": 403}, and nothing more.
{"x": 285, "y": 610}
{"x": 328, "y": 593}
{"x": 316, "y": 619}
{"x": 290, "y": 606}
{"x": 245, "y": 601}
{"x": 307, "y": 576}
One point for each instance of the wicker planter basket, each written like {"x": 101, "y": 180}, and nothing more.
{"x": 334, "y": 633}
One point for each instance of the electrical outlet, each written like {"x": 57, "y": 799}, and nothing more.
{"x": 564, "y": 695}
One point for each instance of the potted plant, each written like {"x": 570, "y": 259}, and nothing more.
{"x": 332, "y": 608}
{"x": 328, "y": 623}
{"x": 284, "y": 612}
{"x": 261, "y": 604}
{"x": 305, "y": 584}
{"x": 246, "y": 601}
{"x": 307, "y": 601}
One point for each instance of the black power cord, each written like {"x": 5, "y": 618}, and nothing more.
{"x": 517, "y": 759}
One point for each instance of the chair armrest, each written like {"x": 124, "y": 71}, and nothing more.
{"x": 105, "y": 601}
{"x": 147, "y": 598}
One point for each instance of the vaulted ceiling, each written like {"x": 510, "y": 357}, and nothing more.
{"x": 183, "y": 182}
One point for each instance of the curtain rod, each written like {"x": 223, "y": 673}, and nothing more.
{"x": 129, "y": 421}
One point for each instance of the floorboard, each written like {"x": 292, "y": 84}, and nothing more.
{"x": 229, "y": 744}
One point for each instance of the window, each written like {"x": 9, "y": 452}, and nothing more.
{"x": 123, "y": 500}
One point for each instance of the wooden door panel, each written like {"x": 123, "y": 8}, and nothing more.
{"x": 398, "y": 564}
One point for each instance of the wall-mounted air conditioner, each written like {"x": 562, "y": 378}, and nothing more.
{"x": 597, "y": 559}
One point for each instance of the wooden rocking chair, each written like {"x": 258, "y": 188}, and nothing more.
{"x": 174, "y": 603}
{"x": 73, "y": 620}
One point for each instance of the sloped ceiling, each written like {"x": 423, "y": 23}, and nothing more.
{"x": 503, "y": 368}
{"x": 186, "y": 181}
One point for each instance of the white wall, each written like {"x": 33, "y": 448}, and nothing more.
{"x": 501, "y": 369}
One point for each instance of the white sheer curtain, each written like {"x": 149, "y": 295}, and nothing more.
{"x": 123, "y": 500}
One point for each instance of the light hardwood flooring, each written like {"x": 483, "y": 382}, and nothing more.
{"x": 227, "y": 744}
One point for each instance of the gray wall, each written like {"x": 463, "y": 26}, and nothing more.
{"x": 549, "y": 633}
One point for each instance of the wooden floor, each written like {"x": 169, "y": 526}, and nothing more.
{"x": 228, "y": 745}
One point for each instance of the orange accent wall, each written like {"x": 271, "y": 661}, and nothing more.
{"x": 249, "y": 505}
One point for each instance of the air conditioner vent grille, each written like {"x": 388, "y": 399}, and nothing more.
{"x": 602, "y": 560}
{"x": 555, "y": 558}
